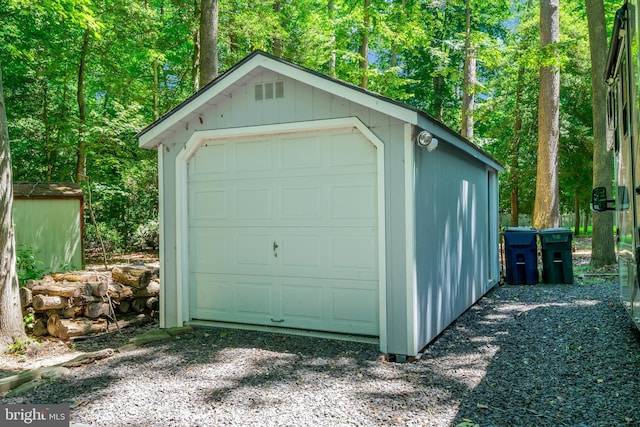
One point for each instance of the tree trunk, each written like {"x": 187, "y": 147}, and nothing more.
{"x": 208, "y": 41}
{"x": 48, "y": 145}
{"x": 99, "y": 289}
{"x": 156, "y": 89}
{"x": 576, "y": 212}
{"x": 438, "y": 97}
{"x": 514, "y": 173}
{"x": 26, "y": 297}
{"x": 11, "y": 326}
{"x": 138, "y": 277}
{"x": 400, "y": 23}
{"x": 67, "y": 328}
{"x": 586, "y": 220}
{"x": 67, "y": 290}
{"x": 48, "y": 302}
{"x": 195, "y": 57}
{"x": 546, "y": 211}
{"x": 468, "y": 87}
{"x": 82, "y": 111}
{"x": 97, "y": 309}
{"x": 331, "y": 6}
{"x": 364, "y": 47}
{"x": 602, "y": 242}
{"x": 78, "y": 276}
{"x": 151, "y": 290}
{"x": 277, "y": 40}
{"x": 118, "y": 291}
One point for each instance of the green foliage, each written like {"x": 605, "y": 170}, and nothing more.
{"x": 140, "y": 64}
{"x": 147, "y": 236}
{"x": 28, "y": 266}
{"x": 20, "y": 346}
{"x": 111, "y": 237}
{"x": 29, "y": 321}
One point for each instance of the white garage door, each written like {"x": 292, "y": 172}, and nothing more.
{"x": 283, "y": 231}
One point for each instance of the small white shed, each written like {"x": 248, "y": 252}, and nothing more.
{"x": 291, "y": 199}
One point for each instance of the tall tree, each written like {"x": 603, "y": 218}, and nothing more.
{"x": 331, "y": 10}
{"x": 208, "y": 41}
{"x": 277, "y": 37}
{"x": 364, "y": 45}
{"x": 602, "y": 243}
{"x": 82, "y": 110}
{"x": 195, "y": 57}
{"x": 514, "y": 176}
{"x": 469, "y": 73}
{"x": 11, "y": 327}
{"x": 546, "y": 212}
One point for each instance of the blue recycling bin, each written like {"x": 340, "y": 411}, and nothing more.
{"x": 557, "y": 257}
{"x": 521, "y": 254}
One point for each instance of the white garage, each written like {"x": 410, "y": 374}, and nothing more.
{"x": 292, "y": 200}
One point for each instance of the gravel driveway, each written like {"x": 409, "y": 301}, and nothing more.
{"x": 543, "y": 355}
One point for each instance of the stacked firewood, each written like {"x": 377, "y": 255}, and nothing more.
{"x": 82, "y": 303}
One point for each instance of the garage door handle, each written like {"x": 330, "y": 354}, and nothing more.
{"x": 277, "y": 321}
{"x": 275, "y": 249}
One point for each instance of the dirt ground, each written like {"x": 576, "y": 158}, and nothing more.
{"x": 49, "y": 351}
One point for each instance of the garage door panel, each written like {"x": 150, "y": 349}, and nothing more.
{"x": 332, "y": 204}
{"x": 253, "y": 156}
{"x": 302, "y": 301}
{"x": 213, "y": 295}
{"x": 301, "y": 153}
{"x": 302, "y": 250}
{"x": 254, "y": 298}
{"x": 353, "y": 202}
{"x": 357, "y": 306}
{"x": 208, "y": 205}
{"x": 224, "y": 251}
{"x": 253, "y": 250}
{"x": 300, "y": 203}
{"x": 357, "y": 253}
{"x": 208, "y": 250}
{"x": 253, "y": 203}
{"x": 233, "y": 298}
{"x": 210, "y": 160}
{"x": 348, "y": 150}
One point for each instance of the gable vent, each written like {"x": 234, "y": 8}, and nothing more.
{"x": 271, "y": 90}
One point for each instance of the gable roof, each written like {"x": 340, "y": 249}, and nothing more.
{"x": 258, "y": 60}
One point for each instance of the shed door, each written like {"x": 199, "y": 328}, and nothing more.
{"x": 283, "y": 231}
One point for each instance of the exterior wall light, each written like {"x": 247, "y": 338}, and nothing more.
{"x": 426, "y": 140}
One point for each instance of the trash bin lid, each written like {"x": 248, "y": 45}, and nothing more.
{"x": 520, "y": 229}
{"x": 520, "y": 236}
{"x": 560, "y": 230}
{"x": 557, "y": 234}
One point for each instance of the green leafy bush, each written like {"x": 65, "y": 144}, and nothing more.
{"x": 147, "y": 236}
{"x": 29, "y": 321}
{"x": 112, "y": 238}
{"x": 29, "y": 268}
{"x": 20, "y": 346}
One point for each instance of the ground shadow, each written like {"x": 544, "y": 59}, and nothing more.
{"x": 580, "y": 369}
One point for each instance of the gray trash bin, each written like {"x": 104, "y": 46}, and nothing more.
{"x": 557, "y": 258}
